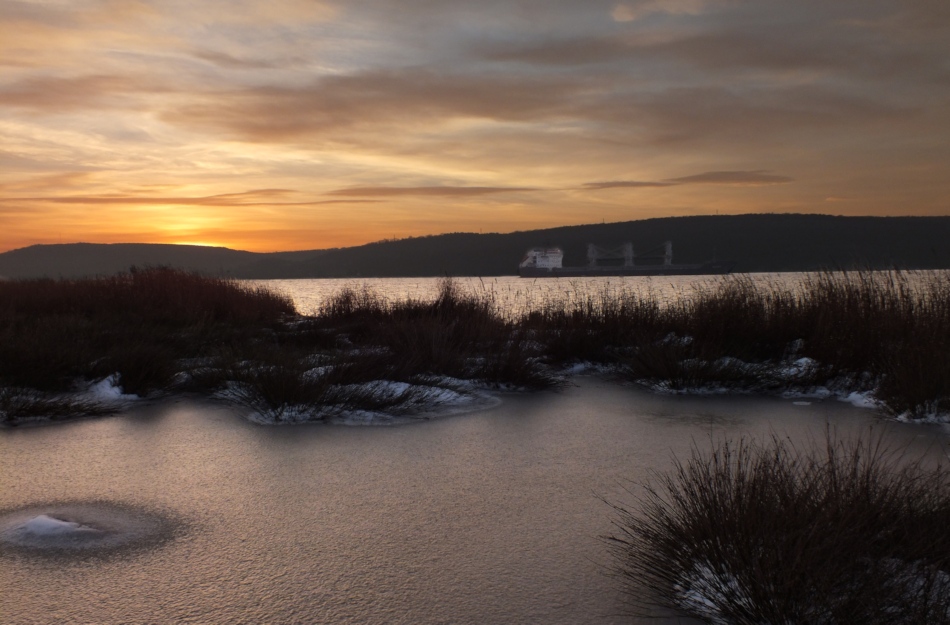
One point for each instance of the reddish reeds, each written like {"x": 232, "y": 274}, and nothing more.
{"x": 455, "y": 335}
{"x": 890, "y": 331}
{"x": 157, "y": 294}
{"x": 769, "y": 533}
{"x": 138, "y": 325}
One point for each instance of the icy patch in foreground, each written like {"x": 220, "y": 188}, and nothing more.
{"x": 95, "y": 528}
{"x": 107, "y": 391}
{"x": 703, "y": 591}
{"x": 43, "y": 525}
{"x": 930, "y": 414}
{"x": 401, "y": 402}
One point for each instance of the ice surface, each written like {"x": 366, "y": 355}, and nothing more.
{"x": 77, "y": 526}
{"x": 44, "y": 525}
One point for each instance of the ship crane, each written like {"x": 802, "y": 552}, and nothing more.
{"x": 596, "y": 254}
{"x": 541, "y": 262}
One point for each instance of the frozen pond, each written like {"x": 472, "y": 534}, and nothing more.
{"x": 489, "y": 517}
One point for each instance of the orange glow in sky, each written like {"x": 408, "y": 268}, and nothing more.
{"x": 304, "y": 124}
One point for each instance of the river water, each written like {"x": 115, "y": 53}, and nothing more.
{"x": 510, "y": 293}
{"x": 488, "y": 517}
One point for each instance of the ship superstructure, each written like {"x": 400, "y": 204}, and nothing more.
{"x": 547, "y": 262}
{"x": 543, "y": 258}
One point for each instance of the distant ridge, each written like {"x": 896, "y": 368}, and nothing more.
{"x": 755, "y": 242}
{"x": 70, "y": 260}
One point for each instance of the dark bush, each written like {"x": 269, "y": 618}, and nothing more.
{"x": 753, "y": 533}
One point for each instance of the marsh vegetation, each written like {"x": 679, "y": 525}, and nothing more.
{"x": 155, "y": 330}
{"x": 751, "y": 532}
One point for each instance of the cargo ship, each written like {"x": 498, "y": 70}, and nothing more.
{"x": 546, "y": 262}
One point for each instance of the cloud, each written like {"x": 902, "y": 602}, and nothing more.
{"x": 631, "y": 11}
{"x": 228, "y": 61}
{"x": 573, "y": 51}
{"x": 757, "y": 177}
{"x": 426, "y": 191}
{"x": 383, "y": 97}
{"x": 614, "y": 184}
{"x": 57, "y": 94}
{"x": 257, "y": 197}
{"x": 711, "y": 116}
{"x": 739, "y": 178}
{"x": 43, "y": 183}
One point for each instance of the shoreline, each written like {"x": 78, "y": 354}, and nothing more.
{"x": 82, "y": 348}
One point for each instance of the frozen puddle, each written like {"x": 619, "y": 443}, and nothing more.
{"x": 96, "y": 528}
{"x": 43, "y": 526}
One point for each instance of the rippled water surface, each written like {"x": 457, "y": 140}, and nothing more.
{"x": 515, "y": 295}
{"x": 489, "y": 517}
{"x": 511, "y": 293}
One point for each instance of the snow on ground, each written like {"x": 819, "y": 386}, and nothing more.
{"x": 794, "y": 377}
{"x": 704, "y": 592}
{"x": 44, "y": 525}
{"x": 587, "y": 368}
{"x": 861, "y": 399}
{"x": 931, "y": 415}
{"x": 81, "y": 526}
{"x": 106, "y": 391}
{"x": 441, "y": 397}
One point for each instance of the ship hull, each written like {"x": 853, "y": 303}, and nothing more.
{"x": 712, "y": 268}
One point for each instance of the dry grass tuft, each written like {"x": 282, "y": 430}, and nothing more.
{"x": 852, "y": 532}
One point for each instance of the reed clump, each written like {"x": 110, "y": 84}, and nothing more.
{"x": 137, "y": 327}
{"x": 881, "y": 332}
{"x": 851, "y": 532}
{"x": 361, "y": 352}
{"x": 456, "y": 335}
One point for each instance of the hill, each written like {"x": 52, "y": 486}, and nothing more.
{"x": 72, "y": 260}
{"x": 755, "y": 242}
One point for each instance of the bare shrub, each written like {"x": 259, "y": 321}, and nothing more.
{"x": 768, "y": 533}
{"x": 18, "y": 405}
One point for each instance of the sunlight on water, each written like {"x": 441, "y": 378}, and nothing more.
{"x": 510, "y": 293}
{"x": 515, "y": 295}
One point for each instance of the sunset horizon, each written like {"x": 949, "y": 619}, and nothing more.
{"x": 305, "y": 124}
{"x": 410, "y": 237}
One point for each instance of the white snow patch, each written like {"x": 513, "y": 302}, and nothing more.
{"x": 860, "y": 399}
{"x": 703, "y": 592}
{"x": 44, "y": 525}
{"x": 796, "y": 369}
{"x": 79, "y": 526}
{"x": 439, "y": 398}
{"x": 818, "y": 392}
{"x": 929, "y": 415}
{"x": 107, "y": 391}
{"x": 316, "y": 373}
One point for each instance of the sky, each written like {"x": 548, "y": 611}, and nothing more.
{"x": 307, "y": 124}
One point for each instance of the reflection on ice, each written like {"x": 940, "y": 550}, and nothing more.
{"x": 44, "y": 525}
{"x": 94, "y": 527}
